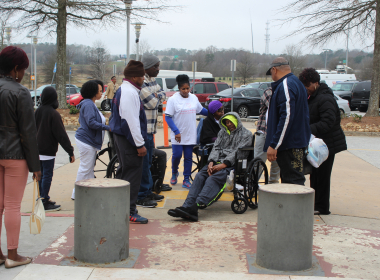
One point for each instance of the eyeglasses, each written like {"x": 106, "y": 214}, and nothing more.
{"x": 221, "y": 109}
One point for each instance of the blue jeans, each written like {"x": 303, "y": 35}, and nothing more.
{"x": 187, "y": 151}
{"x": 146, "y": 184}
{"x": 47, "y": 167}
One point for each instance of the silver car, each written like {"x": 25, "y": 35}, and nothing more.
{"x": 344, "y": 106}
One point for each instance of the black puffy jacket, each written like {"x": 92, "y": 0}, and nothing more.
{"x": 18, "y": 133}
{"x": 325, "y": 119}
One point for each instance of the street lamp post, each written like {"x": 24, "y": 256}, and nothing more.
{"x": 326, "y": 57}
{"x": 35, "y": 41}
{"x": 128, "y": 9}
{"x": 8, "y": 31}
{"x": 138, "y": 32}
{"x": 31, "y": 63}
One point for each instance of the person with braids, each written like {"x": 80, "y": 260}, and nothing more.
{"x": 180, "y": 115}
{"x": 324, "y": 124}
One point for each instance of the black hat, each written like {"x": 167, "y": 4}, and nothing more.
{"x": 274, "y": 65}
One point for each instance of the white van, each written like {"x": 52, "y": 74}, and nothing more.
{"x": 332, "y": 79}
{"x": 166, "y": 78}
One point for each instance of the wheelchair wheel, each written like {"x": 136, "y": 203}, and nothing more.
{"x": 112, "y": 167}
{"x": 239, "y": 205}
{"x": 256, "y": 175}
{"x": 157, "y": 186}
{"x": 101, "y": 162}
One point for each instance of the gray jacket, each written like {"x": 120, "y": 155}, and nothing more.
{"x": 226, "y": 145}
{"x": 18, "y": 133}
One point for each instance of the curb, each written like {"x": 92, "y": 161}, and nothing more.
{"x": 47, "y": 214}
{"x": 360, "y": 133}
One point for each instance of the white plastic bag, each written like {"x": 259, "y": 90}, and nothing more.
{"x": 37, "y": 217}
{"x": 230, "y": 181}
{"x": 318, "y": 151}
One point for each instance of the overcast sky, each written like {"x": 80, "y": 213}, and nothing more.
{"x": 201, "y": 23}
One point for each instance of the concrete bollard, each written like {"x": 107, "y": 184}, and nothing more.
{"x": 101, "y": 223}
{"x": 285, "y": 227}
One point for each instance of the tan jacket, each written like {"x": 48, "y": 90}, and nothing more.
{"x": 111, "y": 90}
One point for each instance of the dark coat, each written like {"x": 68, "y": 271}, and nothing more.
{"x": 50, "y": 128}
{"x": 210, "y": 130}
{"x": 17, "y": 125}
{"x": 325, "y": 119}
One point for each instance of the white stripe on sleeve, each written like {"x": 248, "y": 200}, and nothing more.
{"x": 286, "y": 90}
{"x": 130, "y": 111}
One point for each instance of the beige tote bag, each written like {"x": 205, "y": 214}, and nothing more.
{"x": 37, "y": 218}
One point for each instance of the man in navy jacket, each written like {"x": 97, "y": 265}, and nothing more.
{"x": 129, "y": 125}
{"x": 288, "y": 130}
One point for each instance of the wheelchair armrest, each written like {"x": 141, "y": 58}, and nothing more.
{"x": 209, "y": 145}
{"x": 248, "y": 148}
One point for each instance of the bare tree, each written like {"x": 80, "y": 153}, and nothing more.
{"x": 98, "y": 57}
{"x": 3, "y": 23}
{"x": 49, "y": 60}
{"x": 293, "y": 54}
{"x": 365, "y": 69}
{"x": 53, "y": 16}
{"x": 246, "y": 67}
{"x": 325, "y": 20}
{"x": 144, "y": 47}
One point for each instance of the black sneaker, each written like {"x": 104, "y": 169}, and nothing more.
{"x": 165, "y": 188}
{"x": 146, "y": 202}
{"x": 188, "y": 213}
{"x": 50, "y": 207}
{"x": 173, "y": 213}
{"x": 156, "y": 197}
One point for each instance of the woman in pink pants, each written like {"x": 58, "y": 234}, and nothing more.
{"x": 18, "y": 147}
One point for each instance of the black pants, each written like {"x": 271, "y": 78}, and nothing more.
{"x": 130, "y": 167}
{"x": 320, "y": 181}
{"x": 291, "y": 166}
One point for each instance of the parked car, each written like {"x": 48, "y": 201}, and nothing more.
{"x": 70, "y": 89}
{"x": 261, "y": 86}
{"x": 360, "y": 95}
{"x": 344, "y": 90}
{"x": 344, "y": 106}
{"x": 202, "y": 89}
{"x": 75, "y": 99}
{"x": 246, "y": 101}
{"x": 166, "y": 78}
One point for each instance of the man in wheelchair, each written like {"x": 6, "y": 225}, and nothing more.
{"x": 209, "y": 183}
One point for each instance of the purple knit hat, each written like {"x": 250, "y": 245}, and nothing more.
{"x": 214, "y": 106}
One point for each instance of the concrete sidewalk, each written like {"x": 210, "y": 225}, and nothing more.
{"x": 222, "y": 245}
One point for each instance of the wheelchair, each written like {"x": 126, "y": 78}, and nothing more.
{"x": 250, "y": 173}
{"x": 112, "y": 166}
{"x": 110, "y": 149}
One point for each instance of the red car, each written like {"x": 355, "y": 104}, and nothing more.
{"x": 202, "y": 90}
{"x": 75, "y": 99}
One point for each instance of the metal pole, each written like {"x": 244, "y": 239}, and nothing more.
{"x": 137, "y": 51}
{"x": 128, "y": 31}
{"x": 31, "y": 64}
{"x": 348, "y": 31}
{"x": 70, "y": 81}
{"x": 232, "y": 92}
{"x": 233, "y": 69}
{"x": 35, "y": 75}
{"x": 326, "y": 60}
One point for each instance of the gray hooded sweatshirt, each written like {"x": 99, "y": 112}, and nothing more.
{"x": 227, "y": 144}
